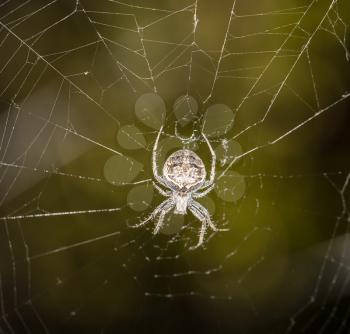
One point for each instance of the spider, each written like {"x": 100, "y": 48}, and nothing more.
{"x": 184, "y": 176}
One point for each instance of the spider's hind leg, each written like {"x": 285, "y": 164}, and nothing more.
{"x": 158, "y": 177}
{"x": 165, "y": 193}
{"x": 213, "y": 162}
{"x": 205, "y": 192}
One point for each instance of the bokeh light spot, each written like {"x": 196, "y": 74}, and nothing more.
{"x": 185, "y": 109}
{"x": 150, "y": 110}
{"x": 131, "y": 138}
{"x": 121, "y": 169}
{"x": 172, "y": 224}
{"x": 218, "y": 120}
{"x": 140, "y": 197}
{"x": 230, "y": 187}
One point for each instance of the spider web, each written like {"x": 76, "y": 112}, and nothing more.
{"x": 84, "y": 88}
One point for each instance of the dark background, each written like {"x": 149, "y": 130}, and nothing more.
{"x": 70, "y": 76}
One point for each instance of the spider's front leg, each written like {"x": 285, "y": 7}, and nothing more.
{"x": 202, "y": 232}
{"x": 205, "y": 213}
{"x": 202, "y": 218}
{"x": 202, "y": 214}
{"x": 155, "y": 212}
{"x": 163, "y": 212}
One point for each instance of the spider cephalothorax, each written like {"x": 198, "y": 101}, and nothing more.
{"x": 184, "y": 176}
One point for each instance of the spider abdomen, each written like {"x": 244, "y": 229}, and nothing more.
{"x": 185, "y": 169}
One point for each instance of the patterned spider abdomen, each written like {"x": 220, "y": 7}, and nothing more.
{"x": 185, "y": 169}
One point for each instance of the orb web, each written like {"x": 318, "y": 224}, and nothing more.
{"x": 84, "y": 88}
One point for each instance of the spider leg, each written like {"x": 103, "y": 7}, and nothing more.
{"x": 203, "y": 229}
{"x": 203, "y": 211}
{"x": 213, "y": 162}
{"x": 164, "y": 211}
{"x": 155, "y": 212}
{"x": 154, "y": 159}
{"x": 161, "y": 191}
{"x": 202, "y": 232}
{"x": 203, "y": 193}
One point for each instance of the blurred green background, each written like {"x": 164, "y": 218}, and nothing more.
{"x": 84, "y": 87}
